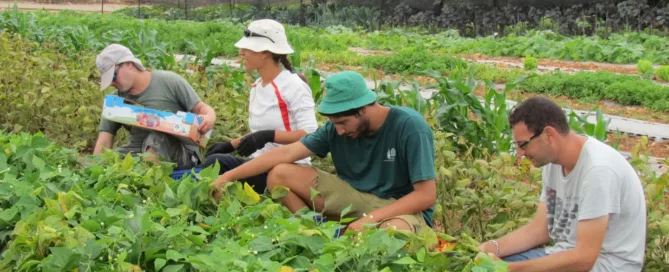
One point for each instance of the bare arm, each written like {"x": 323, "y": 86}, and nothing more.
{"x": 202, "y": 108}
{"x": 280, "y": 137}
{"x": 423, "y": 197}
{"x": 589, "y": 239}
{"x": 288, "y": 137}
{"x": 266, "y": 161}
{"x": 105, "y": 139}
{"x": 525, "y": 238}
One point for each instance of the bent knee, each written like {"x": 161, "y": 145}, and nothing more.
{"x": 278, "y": 174}
{"x": 288, "y": 174}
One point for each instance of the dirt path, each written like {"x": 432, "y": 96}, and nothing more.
{"x": 543, "y": 65}
{"x": 108, "y": 8}
{"x": 552, "y": 64}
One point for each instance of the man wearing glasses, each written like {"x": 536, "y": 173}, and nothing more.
{"x": 592, "y": 205}
{"x": 161, "y": 90}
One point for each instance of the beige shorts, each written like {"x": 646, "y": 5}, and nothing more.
{"x": 338, "y": 195}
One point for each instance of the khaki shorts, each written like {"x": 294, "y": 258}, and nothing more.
{"x": 338, "y": 195}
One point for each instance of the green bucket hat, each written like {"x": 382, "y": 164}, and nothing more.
{"x": 345, "y": 91}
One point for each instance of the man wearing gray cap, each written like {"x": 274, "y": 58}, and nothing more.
{"x": 160, "y": 90}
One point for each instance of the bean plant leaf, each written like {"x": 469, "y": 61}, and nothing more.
{"x": 38, "y": 163}
{"x": 406, "y": 260}
{"x": 159, "y": 263}
{"x": 314, "y": 193}
{"x": 346, "y": 211}
{"x": 174, "y": 268}
{"x": 279, "y": 191}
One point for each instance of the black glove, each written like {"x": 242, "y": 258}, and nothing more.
{"x": 254, "y": 141}
{"x": 222, "y": 148}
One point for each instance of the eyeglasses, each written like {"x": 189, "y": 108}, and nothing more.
{"x": 249, "y": 33}
{"x": 116, "y": 69}
{"x": 523, "y": 145}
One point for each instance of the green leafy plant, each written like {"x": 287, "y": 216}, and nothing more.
{"x": 411, "y": 61}
{"x": 581, "y": 125}
{"x": 655, "y": 186}
{"x": 623, "y": 89}
{"x": 108, "y": 213}
{"x": 62, "y": 210}
{"x": 645, "y": 68}
{"x": 530, "y": 63}
{"x": 663, "y": 73}
{"x": 389, "y": 92}
{"x": 482, "y": 126}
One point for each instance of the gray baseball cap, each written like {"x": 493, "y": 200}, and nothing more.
{"x": 110, "y": 56}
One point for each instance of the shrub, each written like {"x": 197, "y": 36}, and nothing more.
{"x": 644, "y": 67}
{"x": 663, "y": 73}
{"x": 623, "y": 89}
{"x": 530, "y": 63}
{"x": 412, "y": 60}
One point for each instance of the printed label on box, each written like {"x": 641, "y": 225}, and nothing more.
{"x": 182, "y": 124}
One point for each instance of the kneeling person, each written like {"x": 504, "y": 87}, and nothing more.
{"x": 384, "y": 158}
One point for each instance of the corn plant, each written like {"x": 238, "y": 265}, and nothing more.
{"x": 204, "y": 53}
{"x": 473, "y": 123}
{"x": 581, "y": 125}
{"x": 389, "y": 92}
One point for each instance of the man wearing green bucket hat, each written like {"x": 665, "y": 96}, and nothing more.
{"x": 383, "y": 156}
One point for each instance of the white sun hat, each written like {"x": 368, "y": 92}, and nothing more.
{"x": 110, "y": 56}
{"x": 265, "y": 35}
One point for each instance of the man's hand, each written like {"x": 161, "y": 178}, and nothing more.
{"x": 220, "y": 148}
{"x": 254, "y": 141}
{"x": 105, "y": 139}
{"x": 589, "y": 238}
{"x": 218, "y": 185}
{"x": 208, "y": 122}
{"x": 207, "y": 114}
{"x": 357, "y": 225}
{"x": 487, "y": 247}
{"x": 492, "y": 255}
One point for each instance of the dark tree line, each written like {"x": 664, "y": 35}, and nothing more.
{"x": 471, "y": 18}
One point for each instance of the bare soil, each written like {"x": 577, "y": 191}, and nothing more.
{"x": 97, "y": 7}
{"x": 562, "y": 65}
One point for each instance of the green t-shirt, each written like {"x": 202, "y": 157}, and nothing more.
{"x": 167, "y": 91}
{"x": 386, "y": 163}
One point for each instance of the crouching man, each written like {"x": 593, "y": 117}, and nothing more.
{"x": 384, "y": 159}
{"x": 160, "y": 90}
{"x": 592, "y": 204}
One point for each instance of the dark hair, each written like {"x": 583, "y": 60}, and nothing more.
{"x": 283, "y": 59}
{"x": 351, "y": 112}
{"x": 539, "y": 112}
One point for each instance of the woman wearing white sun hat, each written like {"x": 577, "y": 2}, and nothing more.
{"x": 281, "y": 105}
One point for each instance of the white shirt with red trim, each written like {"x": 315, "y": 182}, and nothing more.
{"x": 285, "y": 104}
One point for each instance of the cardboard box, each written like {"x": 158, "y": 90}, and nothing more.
{"x": 183, "y": 125}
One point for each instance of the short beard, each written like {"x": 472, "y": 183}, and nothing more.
{"x": 363, "y": 128}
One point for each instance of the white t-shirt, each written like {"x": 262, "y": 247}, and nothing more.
{"x": 602, "y": 182}
{"x": 284, "y": 104}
